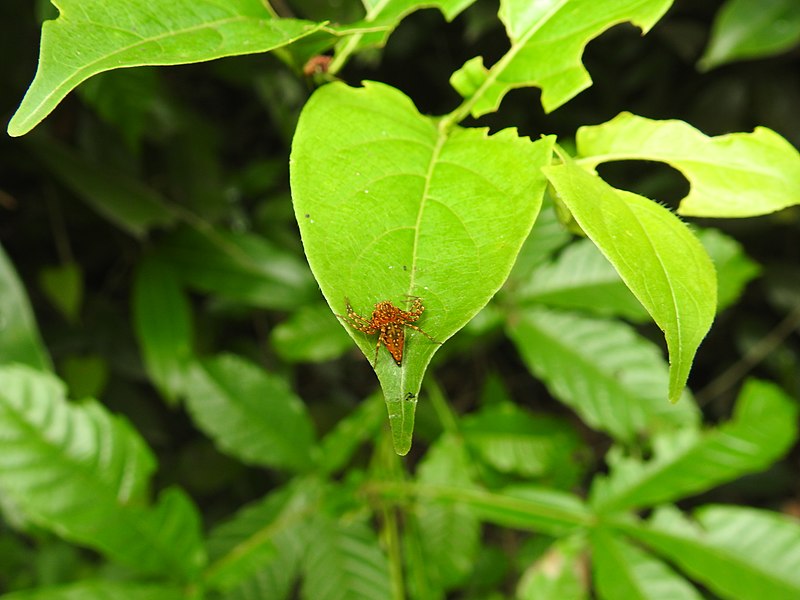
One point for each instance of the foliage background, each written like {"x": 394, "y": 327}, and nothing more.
{"x": 215, "y": 139}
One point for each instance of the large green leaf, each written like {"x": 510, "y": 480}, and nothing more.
{"x": 734, "y": 268}
{"x": 310, "y": 334}
{"x": 733, "y": 175}
{"x": 517, "y": 441}
{"x": 122, "y": 200}
{"x": 581, "y": 278}
{"x": 262, "y": 544}
{"x": 92, "y": 36}
{"x": 613, "y": 378}
{"x": 449, "y": 532}
{"x": 547, "y": 42}
{"x": 752, "y": 29}
{"x": 100, "y": 590}
{"x": 344, "y": 562}
{"x": 390, "y": 205}
{"x": 240, "y": 266}
{"x": 83, "y": 473}
{"x": 559, "y": 574}
{"x": 764, "y": 426}
{"x": 657, "y": 256}
{"x": 63, "y": 286}
{"x": 738, "y": 553}
{"x": 341, "y": 442}
{"x": 527, "y": 507}
{"x": 163, "y": 326}
{"x": 20, "y": 341}
{"x": 250, "y": 413}
{"x": 621, "y": 570}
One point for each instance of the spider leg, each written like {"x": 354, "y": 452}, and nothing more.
{"x": 377, "y": 347}
{"x": 360, "y": 324}
{"x": 422, "y": 332}
{"x": 355, "y": 320}
{"x": 416, "y": 307}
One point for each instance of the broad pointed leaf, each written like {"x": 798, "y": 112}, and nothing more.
{"x": 239, "y": 266}
{"x": 516, "y": 441}
{"x": 547, "y": 42}
{"x": 526, "y": 507}
{"x": 738, "y": 553}
{"x": 63, "y": 286}
{"x": 163, "y": 325}
{"x": 344, "y": 562}
{"x": 92, "y": 36}
{"x": 311, "y": 334}
{"x": 122, "y": 200}
{"x": 559, "y": 574}
{"x": 746, "y": 29}
{"x": 621, "y": 570}
{"x": 657, "y": 256}
{"x": 268, "y": 537}
{"x": 581, "y": 278}
{"x": 733, "y": 175}
{"x": 449, "y": 532}
{"x": 390, "y": 205}
{"x": 83, "y": 473}
{"x": 613, "y": 378}
{"x": 250, "y": 413}
{"x": 686, "y": 463}
{"x": 735, "y": 269}
{"x": 364, "y": 423}
{"x": 20, "y": 341}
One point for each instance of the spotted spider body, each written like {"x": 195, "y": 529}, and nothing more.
{"x": 389, "y": 322}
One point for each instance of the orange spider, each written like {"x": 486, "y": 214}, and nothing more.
{"x": 388, "y": 322}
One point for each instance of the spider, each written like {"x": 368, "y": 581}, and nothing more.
{"x": 388, "y": 322}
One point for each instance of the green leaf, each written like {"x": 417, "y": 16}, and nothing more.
{"x": 310, "y": 334}
{"x": 244, "y": 267}
{"x": 364, "y": 423}
{"x": 559, "y": 574}
{"x": 84, "y": 376}
{"x": 92, "y": 36}
{"x": 63, "y": 286}
{"x": 449, "y": 532}
{"x": 20, "y": 340}
{"x": 262, "y": 545}
{"x": 733, "y": 175}
{"x": 613, "y": 378}
{"x": 100, "y": 590}
{"x": 621, "y": 570}
{"x": 657, "y": 256}
{"x": 162, "y": 318}
{"x": 250, "y": 414}
{"x": 685, "y": 463}
{"x": 746, "y": 29}
{"x": 516, "y": 441}
{"x": 344, "y": 562}
{"x": 383, "y": 16}
{"x": 122, "y": 200}
{"x": 82, "y": 473}
{"x": 581, "y": 278}
{"x": 524, "y": 507}
{"x": 546, "y": 237}
{"x": 738, "y": 553}
{"x": 129, "y": 100}
{"x": 389, "y": 205}
{"x": 547, "y": 42}
{"x": 734, "y": 268}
